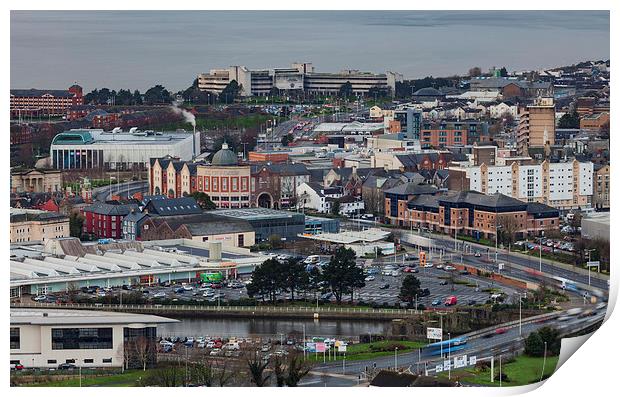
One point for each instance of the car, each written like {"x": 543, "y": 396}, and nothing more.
{"x": 407, "y": 269}
{"x": 189, "y": 341}
{"x": 477, "y": 254}
{"x": 428, "y": 265}
{"x": 188, "y": 287}
{"x": 443, "y": 282}
{"x": 202, "y": 344}
{"x": 440, "y": 266}
{"x": 265, "y": 348}
{"x": 464, "y": 272}
{"x": 208, "y": 294}
{"x": 215, "y": 352}
{"x": 384, "y": 286}
{"x": 159, "y": 295}
{"x": 40, "y": 298}
{"x": 327, "y": 296}
{"x": 436, "y": 302}
{"x": 67, "y": 366}
{"x": 101, "y": 293}
{"x": 424, "y": 292}
{"x": 216, "y": 286}
{"x": 471, "y": 302}
{"x": 450, "y": 268}
{"x": 450, "y": 301}
{"x": 394, "y": 273}
{"x": 500, "y": 331}
{"x": 17, "y": 367}
{"x": 369, "y": 278}
{"x": 179, "y": 290}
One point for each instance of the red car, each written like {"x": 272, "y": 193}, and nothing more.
{"x": 500, "y": 331}
{"x": 218, "y": 344}
{"x": 407, "y": 269}
{"x": 216, "y": 286}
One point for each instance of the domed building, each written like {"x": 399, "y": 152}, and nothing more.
{"x": 224, "y": 157}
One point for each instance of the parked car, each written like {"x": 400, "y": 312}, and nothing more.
{"x": 159, "y": 295}
{"x": 450, "y": 268}
{"x": 451, "y": 300}
{"x": 395, "y": 273}
{"x": 67, "y": 366}
{"x": 471, "y": 302}
{"x": 188, "y": 287}
{"x": 40, "y": 298}
{"x": 16, "y": 367}
{"x": 477, "y": 254}
{"x": 440, "y": 266}
{"x": 384, "y": 286}
{"x": 500, "y": 331}
{"x": 265, "y": 348}
{"x": 370, "y": 278}
{"x": 443, "y": 282}
{"x": 215, "y": 352}
{"x": 428, "y": 265}
{"x": 436, "y": 302}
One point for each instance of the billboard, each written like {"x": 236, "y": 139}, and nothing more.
{"x": 289, "y": 82}
{"x": 434, "y": 333}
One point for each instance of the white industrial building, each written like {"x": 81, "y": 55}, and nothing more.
{"x": 117, "y": 149}
{"x": 48, "y": 337}
{"x": 64, "y": 264}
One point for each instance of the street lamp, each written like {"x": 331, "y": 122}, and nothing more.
{"x": 449, "y": 358}
{"x": 395, "y": 357}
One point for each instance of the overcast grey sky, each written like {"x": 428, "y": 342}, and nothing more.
{"x": 138, "y": 49}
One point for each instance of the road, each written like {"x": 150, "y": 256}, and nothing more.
{"x": 347, "y": 373}
{"x": 105, "y": 192}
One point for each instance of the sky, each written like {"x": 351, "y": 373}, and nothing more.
{"x": 138, "y": 49}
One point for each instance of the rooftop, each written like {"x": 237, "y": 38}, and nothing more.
{"x": 258, "y": 213}
{"x": 69, "y": 317}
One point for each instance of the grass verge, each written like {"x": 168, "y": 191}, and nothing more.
{"x": 366, "y": 351}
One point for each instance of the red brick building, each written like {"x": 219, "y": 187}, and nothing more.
{"x": 473, "y": 214}
{"x": 104, "y": 220}
{"x": 45, "y": 102}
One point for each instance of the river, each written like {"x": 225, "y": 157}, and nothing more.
{"x": 269, "y": 327}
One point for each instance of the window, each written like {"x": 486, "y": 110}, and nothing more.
{"x": 88, "y": 361}
{"x": 224, "y": 184}
{"x": 240, "y": 240}
{"x": 107, "y": 360}
{"x": 15, "y": 338}
{"x": 70, "y": 361}
{"x": 81, "y": 338}
{"x": 51, "y": 361}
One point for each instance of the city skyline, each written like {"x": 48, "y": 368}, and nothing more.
{"x": 157, "y": 47}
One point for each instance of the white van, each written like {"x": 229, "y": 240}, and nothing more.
{"x": 232, "y": 346}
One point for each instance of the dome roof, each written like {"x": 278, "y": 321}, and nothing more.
{"x": 224, "y": 156}
{"x": 428, "y": 91}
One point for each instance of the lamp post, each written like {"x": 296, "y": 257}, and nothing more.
{"x": 542, "y": 373}
{"x": 449, "y": 359}
{"x": 540, "y": 252}
{"x": 304, "y": 341}
{"x": 396, "y": 357}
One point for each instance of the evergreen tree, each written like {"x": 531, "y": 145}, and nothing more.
{"x": 342, "y": 274}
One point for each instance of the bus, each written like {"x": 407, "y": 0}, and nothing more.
{"x": 450, "y": 345}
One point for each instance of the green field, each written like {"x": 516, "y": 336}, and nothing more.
{"x": 363, "y": 351}
{"x": 523, "y": 371}
{"x": 129, "y": 378}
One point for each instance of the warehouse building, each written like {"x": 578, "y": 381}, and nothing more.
{"x": 268, "y": 222}
{"x": 46, "y": 338}
{"x": 119, "y": 150}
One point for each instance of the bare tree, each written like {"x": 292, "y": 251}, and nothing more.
{"x": 257, "y": 367}
{"x": 225, "y": 373}
{"x": 203, "y": 372}
{"x": 475, "y": 71}
{"x": 279, "y": 370}
{"x": 509, "y": 227}
{"x": 298, "y": 368}
{"x": 142, "y": 349}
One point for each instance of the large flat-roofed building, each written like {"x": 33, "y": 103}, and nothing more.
{"x": 36, "y": 225}
{"x": 269, "y": 222}
{"x": 596, "y": 226}
{"x": 48, "y": 337}
{"x": 63, "y": 264}
{"x": 117, "y": 149}
{"x": 300, "y": 76}
{"x": 45, "y": 102}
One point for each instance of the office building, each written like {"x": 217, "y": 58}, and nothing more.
{"x": 36, "y": 181}
{"x": 119, "y": 150}
{"x": 299, "y": 77}
{"x": 36, "y": 225}
{"x": 268, "y": 222}
{"x": 46, "y": 338}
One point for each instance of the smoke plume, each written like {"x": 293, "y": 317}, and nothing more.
{"x": 189, "y": 117}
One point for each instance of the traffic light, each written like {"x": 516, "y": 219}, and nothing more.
{"x": 422, "y": 258}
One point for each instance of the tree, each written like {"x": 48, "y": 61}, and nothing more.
{"x": 503, "y": 72}
{"x": 335, "y": 207}
{"x": 410, "y": 288}
{"x": 535, "y": 342}
{"x": 203, "y": 372}
{"x": 76, "y": 222}
{"x": 230, "y": 92}
{"x": 297, "y": 369}
{"x": 342, "y": 273}
{"x": 346, "y": 90}
{"x": 72, "y": 291}
{"x": 143, "y": 349}
{"x": 257, "y": 366}
{"x": 475, "y": 71}
{"x": 137, "y": 98}
{"x": 267, "y": 279}
{"x": 157, "y": 95}
{"x": 508, "y": 227}
{"x": 296, "y": 277}
{"x": 569, "y": 120}
{"x": 203, "y": 200}
{"x": 279, "y": 370}
{"x": 286, "y": 139}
